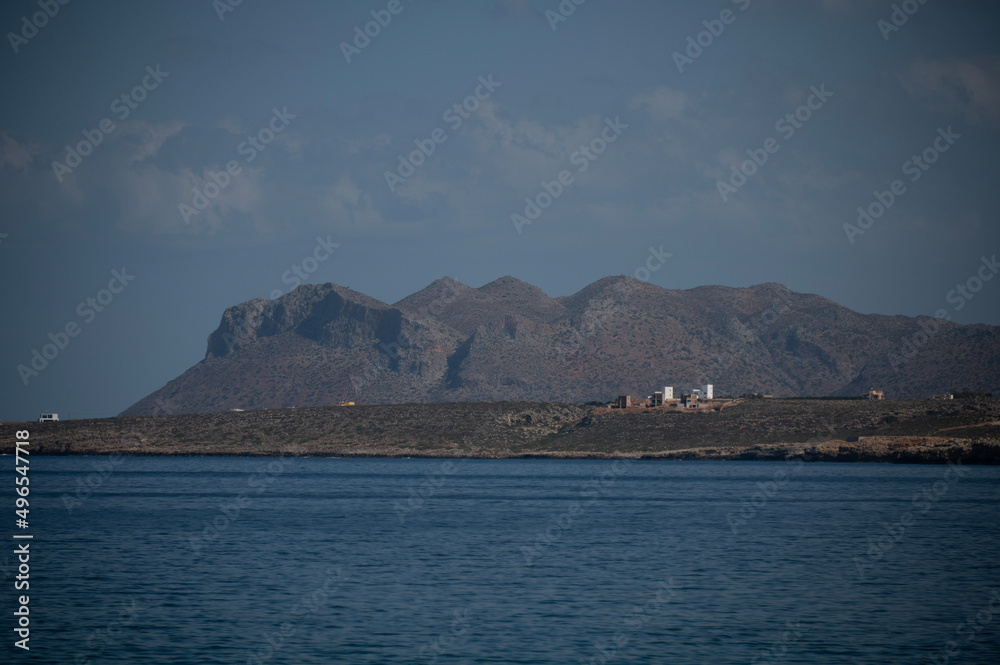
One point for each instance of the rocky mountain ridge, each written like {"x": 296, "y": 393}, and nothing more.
{"x": 507, "y": 340}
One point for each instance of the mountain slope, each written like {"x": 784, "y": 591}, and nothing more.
{"x": 465, "y": 308}
{"x": 508, "y": 340}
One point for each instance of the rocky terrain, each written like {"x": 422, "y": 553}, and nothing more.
{"x": 922, "y": 431}
{"x": 508, "y": 340}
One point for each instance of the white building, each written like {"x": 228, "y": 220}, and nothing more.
{"x": 48, "y": 418}
{"x": 706, "y": 391}
{"x": 668, "y": 392}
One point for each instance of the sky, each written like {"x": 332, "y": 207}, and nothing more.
{"x": 161, "y": 161}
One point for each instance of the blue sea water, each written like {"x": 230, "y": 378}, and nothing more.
{"x": 308, "y": 560}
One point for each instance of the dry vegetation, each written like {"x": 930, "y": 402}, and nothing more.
{"x": 892, "y": 430}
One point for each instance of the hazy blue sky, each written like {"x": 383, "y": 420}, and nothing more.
{"x": 211, "y": 83}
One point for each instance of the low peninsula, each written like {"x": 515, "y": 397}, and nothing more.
{"x": 831, "y": 430}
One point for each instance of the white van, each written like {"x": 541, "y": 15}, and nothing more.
{"x": 48, "y": 418}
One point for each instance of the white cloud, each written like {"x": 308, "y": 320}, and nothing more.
{"x": 123, "y": 184}
{"x": 661, "y": 104}
{"x": 15, "y": 153}
{"x": 355, "y": 146}
{"x": 141, "y": 140}
{"x": 966, "y": 88}
{"x": 349, "y": 207}
{"x": 231, "y": 124}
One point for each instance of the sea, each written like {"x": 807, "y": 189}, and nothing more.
{"x": 317, "y": 560}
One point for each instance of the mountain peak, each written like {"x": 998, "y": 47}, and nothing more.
{"x": 508, "y": 282}
{"x": 616, "y": 287}
{"x": 449, "y": 281}
{"x": 508, "y": 340}
{"x": 508, "y": 286}
{"x": 435, "y": 298}
{"x": 311, "y": 292}
{"x": 304, "y": 309}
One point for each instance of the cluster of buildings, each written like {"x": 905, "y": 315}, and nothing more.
{"x": 665, "y": 396}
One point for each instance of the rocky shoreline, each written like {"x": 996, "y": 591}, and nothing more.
{"x": 894, "y": 431}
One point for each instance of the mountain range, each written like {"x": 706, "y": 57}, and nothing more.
{"x": 323, "y": 344}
